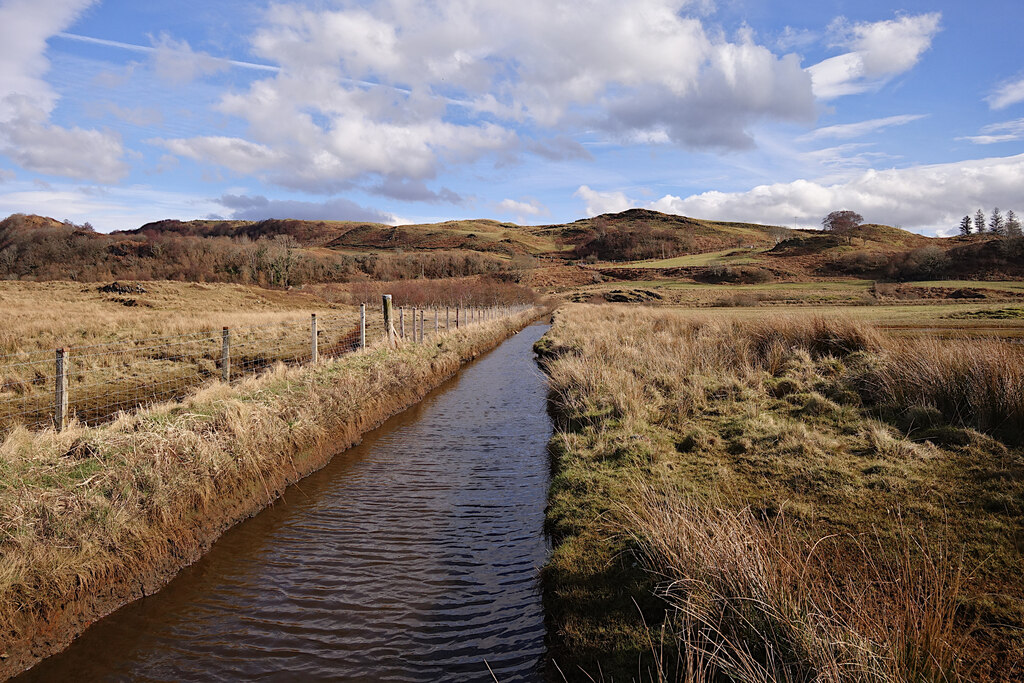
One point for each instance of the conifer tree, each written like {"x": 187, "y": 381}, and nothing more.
{"x": 995, "y": 222}
{"x": 1012, "y": 224}
{"x": 965, "y": 226}
{"x": 979, "y": 221}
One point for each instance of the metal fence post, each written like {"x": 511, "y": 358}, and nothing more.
{"x": 225, "y": 354}
{"x": 447, "y": 318}
{"x": 315, "y": 355}
{"x": 423, "y": 315}
{"x": 60, "y": 397}
{"x": 362, "y": 326}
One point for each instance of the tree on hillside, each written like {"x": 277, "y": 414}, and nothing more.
{"x": 842, "y": 223}
{"x": 1012, "y": 224}
{"x": 965, "y": 226}
{"x": 979, "y": 221}
{"x": 995, "y": 223}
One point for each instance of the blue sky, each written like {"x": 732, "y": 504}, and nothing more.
{"x": 774, "y": 111}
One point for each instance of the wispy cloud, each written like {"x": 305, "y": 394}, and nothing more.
{"x": 1007, "y": 131}
{"x": 164, "y": 45}
{"x": 846, "y": 131}
{"x": 1008, "y": 93}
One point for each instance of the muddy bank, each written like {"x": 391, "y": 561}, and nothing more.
{"x": 297, "y": 419}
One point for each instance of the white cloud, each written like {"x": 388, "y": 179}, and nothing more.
{"x": 26, "y": 100}
{"x": 1007, "y": 131}
{"x": 175, "y": 62}
{"x": 402, "y": 88}
{"x": 597, "y": 203}
{"x": 924, "y": 198}
{"x": 878, "y": 52}
{"x": 32, "y": 143}
{"x": 529, "y": 207}
{"x": 258, "y": 207}
{"x": 1007, "y": 94}
{"x": 107, "y": 208}
{"x": 860, "y": 128}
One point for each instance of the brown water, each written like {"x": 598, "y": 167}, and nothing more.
{"x": 412, "y": 557}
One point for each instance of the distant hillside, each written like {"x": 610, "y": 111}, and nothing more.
{"x": 477, "y": 235}
{"x": 292, "y": 252}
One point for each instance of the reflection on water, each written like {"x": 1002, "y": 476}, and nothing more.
{"x": 412, "y": 557}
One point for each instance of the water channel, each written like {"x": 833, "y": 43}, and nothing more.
{"x": 411, "y": 557}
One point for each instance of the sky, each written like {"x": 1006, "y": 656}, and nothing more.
{"x": 118, "y": 112}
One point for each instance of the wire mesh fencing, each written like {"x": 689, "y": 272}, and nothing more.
{"x": 93, "y": 384}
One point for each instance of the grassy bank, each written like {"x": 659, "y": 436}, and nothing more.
{"x": 782, "y": 498}
{"x": 92, "y": 518}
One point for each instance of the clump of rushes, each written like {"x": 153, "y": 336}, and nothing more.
{"x": 782, "y": 498}
{"x": 90, "y": 518}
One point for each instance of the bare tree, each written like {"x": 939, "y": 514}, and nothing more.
{"x": 842, "y": 223}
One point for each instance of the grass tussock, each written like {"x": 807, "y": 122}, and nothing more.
{"x": 89, "y": 515}
{"x": 796, "y": 498}
{"x": 753, "y": 604}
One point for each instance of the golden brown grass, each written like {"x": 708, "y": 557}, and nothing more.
{"x": 719, "y": 452}
{"x": 169, "y": 341}
{"x": 91, "y": 513}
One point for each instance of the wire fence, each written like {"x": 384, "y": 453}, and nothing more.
{"x": 93, "y": 384}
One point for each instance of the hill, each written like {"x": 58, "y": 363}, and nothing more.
{"x": 633, "y": 244}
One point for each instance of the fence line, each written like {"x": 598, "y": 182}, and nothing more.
{"x": 94, "y": 383}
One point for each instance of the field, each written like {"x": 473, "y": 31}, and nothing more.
{"x": 156, "y": 341}
{"x": 779, "y": 496}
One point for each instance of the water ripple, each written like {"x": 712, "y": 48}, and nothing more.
{"x": 412, "y": 557}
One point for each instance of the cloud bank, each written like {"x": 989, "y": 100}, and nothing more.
{"x": 929, "y": 198}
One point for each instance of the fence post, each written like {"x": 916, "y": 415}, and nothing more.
{"x": 60, "y": 397}
{"x": 362, "y": 327}
{"x": 225, "y": 354}
{"x": 457, "y": 315}
{"x": 447, "y": 318}
{"x": 315, "y": 348}
{"x": 389, "y": 315}
{"x": 401, "y": 321}
{"x": 423, "y": 315}
{"x": 437, "y": 322}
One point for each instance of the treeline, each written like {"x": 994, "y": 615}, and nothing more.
{"x": 33, "y": 248}
{"x": 1008, "y": 225}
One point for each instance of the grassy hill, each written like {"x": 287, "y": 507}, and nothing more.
{"x": 633, "y": 244}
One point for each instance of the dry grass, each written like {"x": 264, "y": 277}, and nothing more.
{"x": 738, "y": 444}
{"x": 87, "y": 510}
{"x": 753, "y": 604}
{"x": 169, "y": 341}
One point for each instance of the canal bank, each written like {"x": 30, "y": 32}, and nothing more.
{"x": 322, "y": 415}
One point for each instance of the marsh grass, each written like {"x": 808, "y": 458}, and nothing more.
{"x": 701, "y": 459}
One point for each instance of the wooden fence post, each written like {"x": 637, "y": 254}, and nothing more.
{"x": 60, "y": 397}
{"x": 389, "y": 316}
{"x": 314, "y": 347}
{"x": 447, "y": 318}
{"x": 362, "y": 327}
{"x": 437, "y": 322}
{"x": 225, "y": 354}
